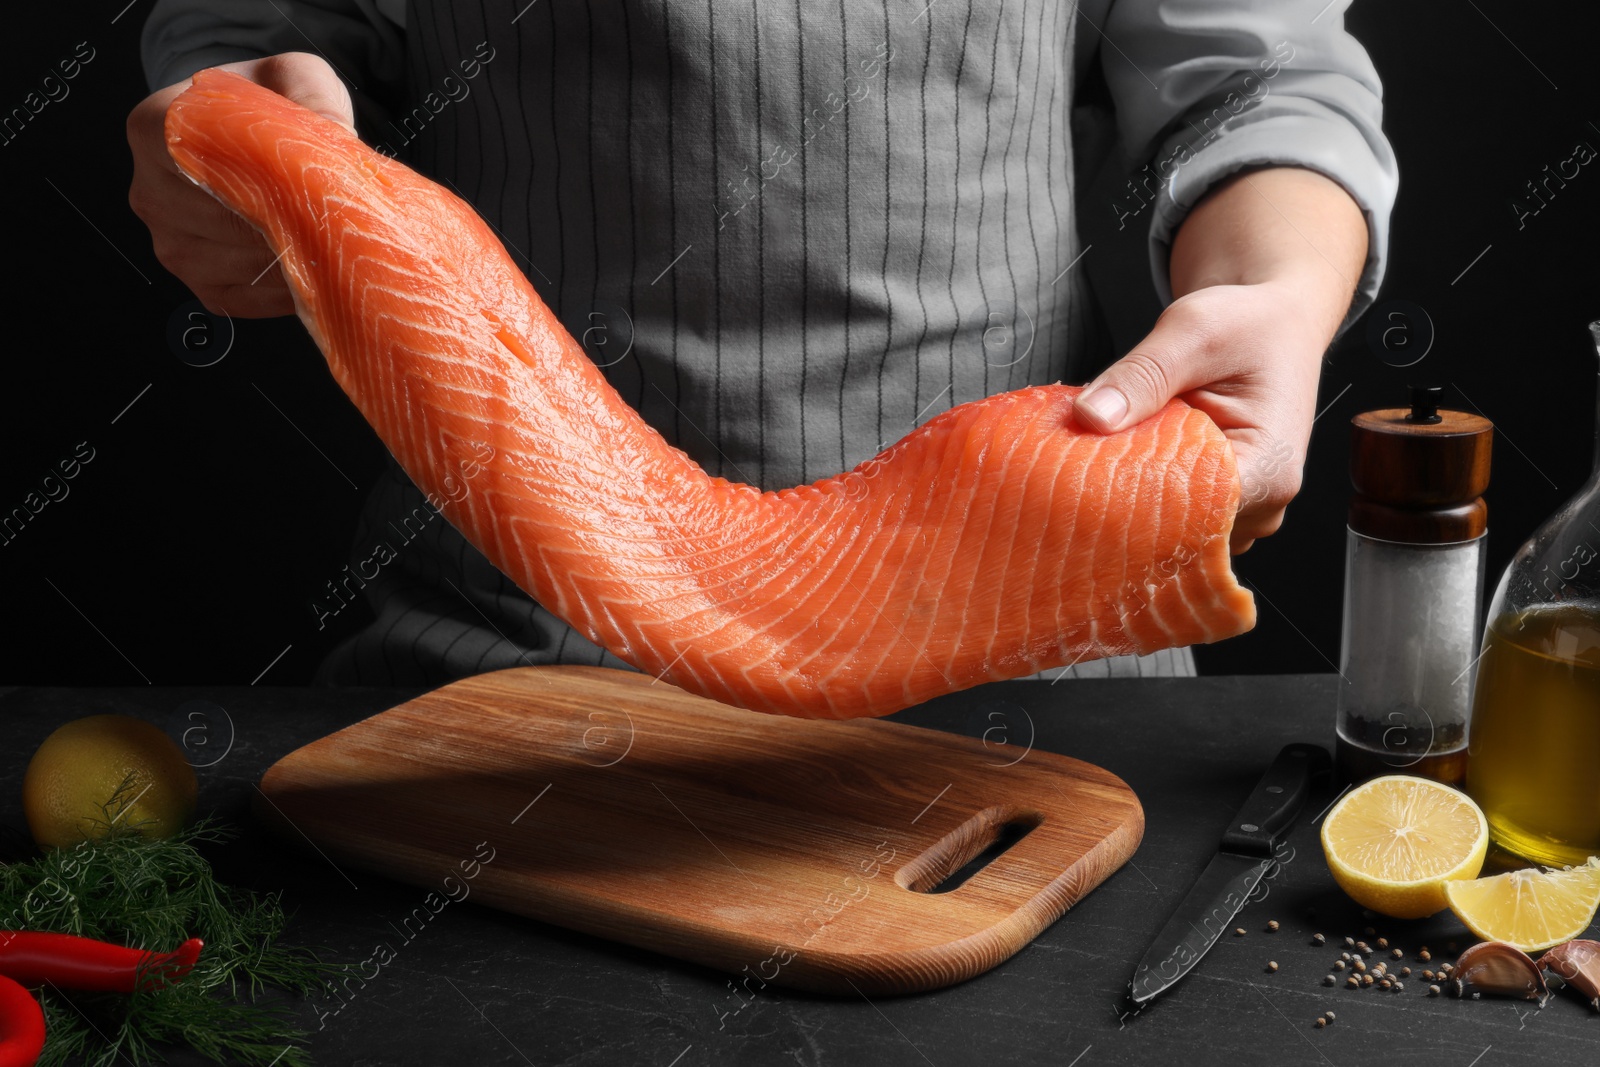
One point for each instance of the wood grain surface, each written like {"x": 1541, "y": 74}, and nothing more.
{"x": 784, "y": 851}
{"x": 1420, "y": 483}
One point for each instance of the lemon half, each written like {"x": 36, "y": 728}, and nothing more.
{"x": 1395, "y": 842}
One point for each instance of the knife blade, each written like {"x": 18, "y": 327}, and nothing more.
{"x": 1244, "y": 858}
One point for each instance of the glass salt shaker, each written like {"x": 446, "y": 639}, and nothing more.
{"x": 1414, "y": 568}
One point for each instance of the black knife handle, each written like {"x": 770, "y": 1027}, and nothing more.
{"x": 1276, "y": 800}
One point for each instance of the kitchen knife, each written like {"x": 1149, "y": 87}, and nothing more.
{"x": 1224, "y": 887}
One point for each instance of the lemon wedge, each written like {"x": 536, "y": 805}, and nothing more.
{"x": 1530, "y": 909}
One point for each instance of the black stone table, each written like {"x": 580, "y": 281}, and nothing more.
{"x": 478, "y": 986}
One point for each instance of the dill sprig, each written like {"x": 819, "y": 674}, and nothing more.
{"x": 152, "y": 894}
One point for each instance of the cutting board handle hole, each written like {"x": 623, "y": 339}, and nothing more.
{"x": 951, "y": 861}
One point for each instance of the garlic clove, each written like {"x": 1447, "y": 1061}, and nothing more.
{"x": 1578, "y": 964}
{"x": 1498, "y": 969}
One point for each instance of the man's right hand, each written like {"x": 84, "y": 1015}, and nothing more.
{"x": 213, "y": 251}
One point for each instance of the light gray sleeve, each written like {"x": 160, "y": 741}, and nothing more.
{"x": 361, "y": 39}
{"x": 1204, "y": 88}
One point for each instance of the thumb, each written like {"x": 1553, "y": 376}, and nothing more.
{"x": 1165, "y": 364}
{"x": 306, "y": 79}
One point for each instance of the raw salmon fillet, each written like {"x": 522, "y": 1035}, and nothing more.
{"x": 991, "y": 542}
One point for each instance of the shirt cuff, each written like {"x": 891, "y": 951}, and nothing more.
{"x": 182, "y": 67}
{"x": 1281, "y": 131}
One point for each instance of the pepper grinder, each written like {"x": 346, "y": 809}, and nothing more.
{"x": 1414, "y": 569}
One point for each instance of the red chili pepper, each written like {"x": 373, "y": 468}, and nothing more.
{"x": 21, "y": 1026}
{"x": 34, "y": 958}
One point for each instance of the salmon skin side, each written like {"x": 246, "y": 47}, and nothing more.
{"x": 993, "y": 541}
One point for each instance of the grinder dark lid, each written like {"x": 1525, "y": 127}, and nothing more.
{"x": 1420, "y": 472}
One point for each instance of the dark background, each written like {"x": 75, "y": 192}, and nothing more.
{"x": 216, "y": 506}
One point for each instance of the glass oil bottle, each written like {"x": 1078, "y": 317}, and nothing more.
{"x": 1535, "y": 740}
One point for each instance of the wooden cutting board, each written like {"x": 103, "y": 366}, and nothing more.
{"x": 784, "y": 851}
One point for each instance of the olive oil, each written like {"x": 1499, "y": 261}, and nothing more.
{"x": 1534, "y": 752}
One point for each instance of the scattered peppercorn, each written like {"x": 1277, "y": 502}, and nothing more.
{"x": 1363, "y": 946}
{"x": 1424, "y": 956}
{"x": 1428, "y": 975}
{"x": 1272, "y": 966}
{"x": 1321, "y": 1022}
{"x": 1330, "y": 1016}
{"x": 1352, "y": 981}
{"x": 1358, "y": 965}
{"x": 1385, "y": 984}
{"x": 1433, "y": 991}
{"x": 1338, "y": 965}
{"x": 1345, "y": 956}
{"x": 1350, "y": 942}
{"x": 1383, "y": 942}
{"x": 1272, "y": 926}
{"x": 1355, "y": 955}
{"x": 1405, "y": 972}
{"x": 1366, "y": 979}
{"x": 1238, "y": 931}
{"x": 1370, "y": 931}
{"x": 1318, "y": 939}
{"x": 1398, "y": 985}
{"x": 1330, "y": 980}
{"x": 1397, "y": 954}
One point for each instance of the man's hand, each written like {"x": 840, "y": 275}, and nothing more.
{"x": 212, "y": 250}
{"x": 1263, "y": 270}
